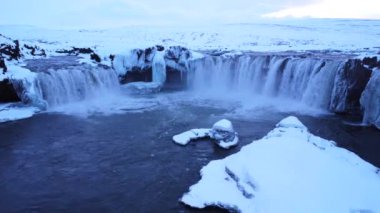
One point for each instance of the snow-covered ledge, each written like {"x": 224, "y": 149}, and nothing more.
{"x": 289, "y": 170}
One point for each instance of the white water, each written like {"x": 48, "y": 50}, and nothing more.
{"x": 277, "y": 79}
{"x": 58, "y": 87}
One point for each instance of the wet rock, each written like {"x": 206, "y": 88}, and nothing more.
{"x": 95, "y": 57}
{"x": 3, "y": 67}
{"x": 35, "y": 51}
{"x": 349, "y": 85}
{"x": 160, "y": 48}
{"x": 136, "y": 74}
{"x": 371, "y": 62}
{"x": 76, "y": 51}
{"x": 8, "y": 92}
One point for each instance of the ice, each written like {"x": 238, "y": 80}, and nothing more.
{"x": 159, "y": 68}
{"x": 222, "y": 132}
{"x": 9, "y": 112}
{"x": 142, "y": 87}
{"x": 289, "y": 170}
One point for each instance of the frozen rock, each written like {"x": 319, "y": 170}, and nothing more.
{"x": 370, "y": 100}
{"x": 222, "y": 132}
{"x": 185, "y": 137}
{"x": 142, "y": 87}
{"x": 223, "y": 125}
{"x": 289, "y": 170}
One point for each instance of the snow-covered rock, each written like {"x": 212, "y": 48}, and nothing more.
{"x": 370, "y": 100}
{"x": 289, "y": 170}
{"x": 223, "y": 125}
{"x": 222, "y": 132}
{"x": 185, "y": 137}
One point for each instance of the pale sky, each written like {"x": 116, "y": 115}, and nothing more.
{"x": 116, "y": 13}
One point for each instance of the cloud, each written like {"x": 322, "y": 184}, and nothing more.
{"x": 116, "y": 13}
{"x": 363, "y": 9}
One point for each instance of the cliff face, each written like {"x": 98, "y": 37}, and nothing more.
{"x": 349, "y": 85}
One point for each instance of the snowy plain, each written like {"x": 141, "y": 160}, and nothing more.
{"x": 351, "y": 36}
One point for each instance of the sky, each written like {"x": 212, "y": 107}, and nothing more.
{"x": 117, "y": 13}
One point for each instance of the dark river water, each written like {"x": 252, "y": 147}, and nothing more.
{"x": 128, "y": 162}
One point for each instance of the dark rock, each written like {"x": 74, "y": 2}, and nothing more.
{"x": 149, "y": 54}
{"x": 175, "y": 53}
{"x": 8, "y": 92}
{"x": 175, "y": 79}
{"x": 3, "y": 66}
{"x": 349, "y": 85}
{"x": 160, "y": 48}
{"x": 95, "y": 57}
{"x": 112, "y": 57}
{"x": 35, "y": 51}
{"x": 76, "y": 51}
{"x": 371, "y": 62}
{"x": 137, "y": 74}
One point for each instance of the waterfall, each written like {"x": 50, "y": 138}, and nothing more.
{"x": 306, "y": 80}
{"x": 370, "y": 100}
{"x": 73, "y": 84}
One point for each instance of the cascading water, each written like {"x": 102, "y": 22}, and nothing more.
{"x": 74, "y": 84}
{"x": 306, "y": 80}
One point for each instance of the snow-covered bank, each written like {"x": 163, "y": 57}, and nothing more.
{"x": 289, "y": 170}
{"x": 370, "y": 100}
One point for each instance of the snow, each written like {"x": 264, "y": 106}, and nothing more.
{"x": 222, "y": 132}
{"x": 289, "y": 170}
{"x": 16, "y": 72}
{"x": 185, "y": 137}
{"x": 11, "y": 113}
{"x": 223, "y": 125}
{"x": 263, "y": 36}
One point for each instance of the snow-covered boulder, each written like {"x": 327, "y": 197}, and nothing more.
{"x": 370, "y": 100}
{"x": 222, "y": 132}
{"x": 289, "y": 170}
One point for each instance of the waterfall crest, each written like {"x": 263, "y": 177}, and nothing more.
{"x": 72, "y": 84}
{"x": 306, "y": 80}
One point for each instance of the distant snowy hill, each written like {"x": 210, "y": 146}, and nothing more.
{"x": 359, "y": 36}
